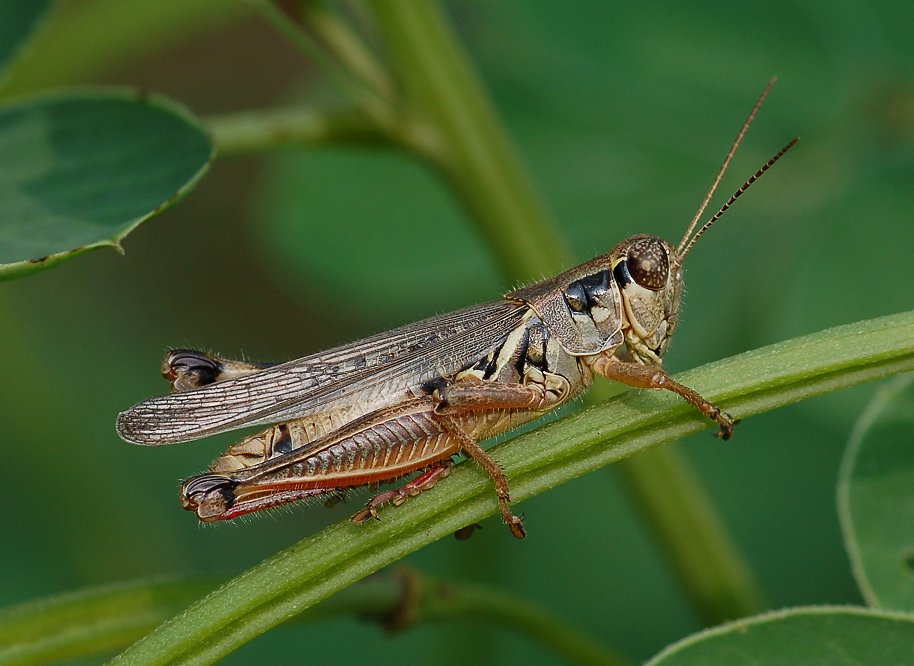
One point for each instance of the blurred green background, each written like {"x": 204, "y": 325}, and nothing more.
{"x": 623, "y": 114}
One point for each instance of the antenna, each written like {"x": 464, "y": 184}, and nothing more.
{"x": 736, "y": 195}
{"x": 685, "y": 242}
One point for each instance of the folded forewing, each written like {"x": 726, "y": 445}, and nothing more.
{"x": 365, "y": 370}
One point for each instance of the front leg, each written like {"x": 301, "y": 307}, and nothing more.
{"x": 648, "y": 376}
{"x": 474, "y": 395}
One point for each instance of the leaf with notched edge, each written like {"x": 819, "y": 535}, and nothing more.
{"x": 80, "y": 170}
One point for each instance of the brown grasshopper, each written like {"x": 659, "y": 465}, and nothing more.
{"x": 409, "y": 399}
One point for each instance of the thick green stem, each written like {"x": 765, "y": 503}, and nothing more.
{"x": 317, "y": 567}
{"x": 487, "y": 174}
{"x": 101, "y": 619}
{"x": 445, "y": 601}
{"x": 90, "y": 622}
{"x": 674, "y": 503}
{"x": 444, "y": 94}
{"x": 716, "y": 579}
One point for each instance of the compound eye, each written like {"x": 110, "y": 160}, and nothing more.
{"x": 648, "y": 264}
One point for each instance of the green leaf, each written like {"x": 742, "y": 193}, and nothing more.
{"x": 82, "y": 170}
{"x": 830, "y": 636}
{"x": 18, "y": 21}
{"x": 876, "y": 497}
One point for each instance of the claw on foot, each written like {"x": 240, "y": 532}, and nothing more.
{"x": 516, "y": 525}
{"x": 727, "y": 424}
{"x": 365, "y": 515}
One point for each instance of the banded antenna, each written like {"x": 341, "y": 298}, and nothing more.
{"x": 688, "y": 240}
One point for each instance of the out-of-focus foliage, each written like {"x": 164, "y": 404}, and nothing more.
{"x": 623, "y": 113}
{"x": 876, "y": 495}
{"x": 819, "y": 636}
{"x": 80, "y": 171}
{"x": 19, "y": 19}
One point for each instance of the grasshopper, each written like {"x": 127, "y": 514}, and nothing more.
{"x": 408, "y": 400}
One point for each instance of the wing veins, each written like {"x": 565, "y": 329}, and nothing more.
{"x": 418, "y": 352}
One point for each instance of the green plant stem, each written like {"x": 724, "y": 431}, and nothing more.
{"x": 348, "y": 47}
{"x": 359, "y": 90}
{"x": 487, "y": 175}
{"x": 443, "y": 93}
{"x": 477, "y": 602}
{"x": 317, "y": 567}
{"x": 101, "y": 619}
{"x": 256, "y": 131}
{"x": 717, "y": 581}
{"x": 714, "y": 574}
{"x": 89, "y": 622}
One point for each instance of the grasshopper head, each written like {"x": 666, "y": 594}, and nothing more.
{"x": 648, "y": 270}
{"x": 630, "y": 295}
{"x": 633, "y": 293}
{"x": 648, "y": 273}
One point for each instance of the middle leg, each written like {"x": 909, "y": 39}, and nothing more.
{"x": 471, "y": 398}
